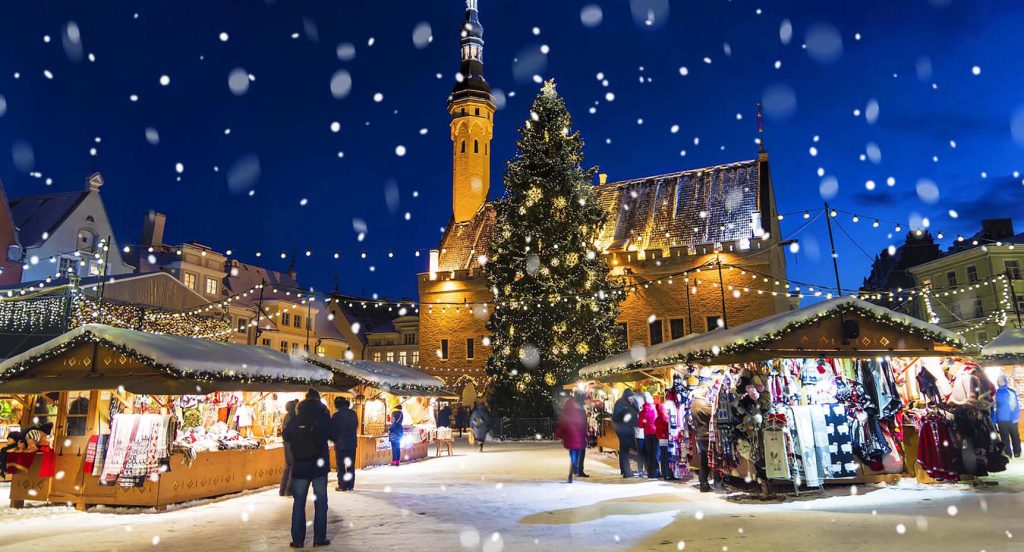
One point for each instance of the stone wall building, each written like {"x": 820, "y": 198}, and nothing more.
{"x": 666, "y": 235}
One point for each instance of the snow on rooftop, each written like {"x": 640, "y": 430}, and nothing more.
{"x": 189, "y": 356}
{"x": 750, "y": 335}
{"x": 381, "y": 374}
{"x": 1008, "y": 343}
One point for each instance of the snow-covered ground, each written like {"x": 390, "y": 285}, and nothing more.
{"x": 513, "y": 497}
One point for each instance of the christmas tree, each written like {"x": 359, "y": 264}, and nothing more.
{"x": 556, "y": 304}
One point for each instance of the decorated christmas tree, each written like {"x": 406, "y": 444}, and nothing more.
{"x": 556, "y": 304}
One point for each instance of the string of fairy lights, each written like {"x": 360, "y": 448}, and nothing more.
{"x": 31, "y": 308}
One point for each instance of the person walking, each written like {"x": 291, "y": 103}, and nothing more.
{"x": 648, "y": 418}
{"x": 395, "y": 433}
{"x": 1007, "y": 416}
{"x": 345, "y": 425}
{"x": 480, "y": 423}
{"x": 460, "y": 419}
{"x": 585, "y": 428}
{"x": 626, "y": 419}
{"x": 286, "y": 475}
{"x": 571, "y": 429}
{"x": 308, "y": 433}
{"x": 638, "y": 434}
{"x": 444, "y": 416}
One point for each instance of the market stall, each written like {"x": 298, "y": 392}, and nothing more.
{"x": 149, "y": 420}
{"x": 805, "y": 397}
{"x": 1004, "y": 356}
{"x": 378, "y": 388}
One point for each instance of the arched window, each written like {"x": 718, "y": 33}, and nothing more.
{"x": 476, "y": 146}
{"x": 89, "y": 219}
{"x": 463, "y": 146}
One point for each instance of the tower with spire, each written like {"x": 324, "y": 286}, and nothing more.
{"x": 472, "y": 108}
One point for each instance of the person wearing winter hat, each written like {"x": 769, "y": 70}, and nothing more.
{"x": 647, "y": 420}
{"x": 1006, "y": 415}
{"x": 626, "y": 419}
{"x": 641, "y": 451}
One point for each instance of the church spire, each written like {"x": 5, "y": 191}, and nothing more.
{"x": 472, "y": 83}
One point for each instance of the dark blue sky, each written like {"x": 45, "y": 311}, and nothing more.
{"x": 284, "y": 118}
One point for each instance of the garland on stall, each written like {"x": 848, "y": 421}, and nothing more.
{"x": 855, "y": 306}
{"x": 392, "y": 389}
{"x": 86, "y": 337}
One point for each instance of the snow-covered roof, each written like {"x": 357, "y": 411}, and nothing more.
{"x": 749, "y": 336}
{"x": 1008, "y": 344}
{"x": 186, "y": 357}
{"x": 381, "y": 375}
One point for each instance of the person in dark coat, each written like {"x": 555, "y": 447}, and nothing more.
{"x": 286, "y": 475}
{"x": 395, "y": 433}
{"x": 700, "y": 413}
{"x": 571, "y": 429}
{"x": 626, "y": 418}
{"x": 10, "y": 445}
{"x": 480, "y": 424}
{"x": 460, "y": 419}
{"x": 345, "y": 425}
{"x": 444, "y": 416}
{"x": 308, "y": 433}
{"x": 1006, "y": 415}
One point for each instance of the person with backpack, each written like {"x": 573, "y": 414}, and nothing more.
{"x": 345, "y": 424}
{"x": 395, "y": 433}
{"x": 307, "y": 435}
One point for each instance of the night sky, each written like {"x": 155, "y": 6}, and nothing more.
{"x": 946, "y": 76}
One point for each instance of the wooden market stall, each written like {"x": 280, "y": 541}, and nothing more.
{"x": 1004, "y": 355}
{"x": 765, "y": 373}
{"x": 379, "y": 387}
{"x": 100, "y": 381}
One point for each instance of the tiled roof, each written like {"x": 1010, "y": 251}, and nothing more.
{"x": 693, "y": 207}
{"x": 242, "y": 277}
{"x": 371, "y": 319}
{"x": 38, "y": 214}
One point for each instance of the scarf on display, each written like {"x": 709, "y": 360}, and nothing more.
{"x": 139, "y": 447}
{"x": 800, "y": 417}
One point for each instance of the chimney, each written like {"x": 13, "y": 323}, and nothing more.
{"x": 997, "y": 229}
{"x": 602, "y": 178}
{"x": 153, "y": 229}
{"x": 94, "y": 182}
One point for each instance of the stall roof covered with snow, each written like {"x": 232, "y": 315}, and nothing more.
{"x": 843, "y": 326}
{"x": 391, "y": 377}
{"x": 1006, "y": 347}
{"x": 96, "y": 356}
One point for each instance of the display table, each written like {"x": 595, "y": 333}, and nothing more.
{"x": 211, "y": 474}
{"x": 607, "y": 439}
{"x": 376, "y": 451}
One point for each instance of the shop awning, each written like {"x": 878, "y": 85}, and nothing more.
{"x": 95, "y": 356}
{"x": 391, "y": 377}
{"x": 1007, "y": 347}
{"x": 816, "y": 329}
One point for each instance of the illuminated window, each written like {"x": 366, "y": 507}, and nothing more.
{"x": 376, "y": 356}
{"x": 321, "y": 350}
{"x": 211, "y": 286}
{"x": 403, "y": 357}
{"x": 189, "y": 279}
{"x": 414, "y": 358}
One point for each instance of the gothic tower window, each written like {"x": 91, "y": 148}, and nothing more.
{"x": 463, "y": 146}
{"x": 476, "y": 146}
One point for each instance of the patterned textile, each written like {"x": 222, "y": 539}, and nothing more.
{"x": 800, "y": 417}
{"x": 821, "y": 449}
{"x": 840, "y": 442}
{"x": 122, "y": 434}
{"x": 139, "y": 447}
{"x": 776, "y": 457}
{"x": 938, "y": 449}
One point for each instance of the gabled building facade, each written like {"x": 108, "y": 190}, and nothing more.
{"x": 66, "y": 232}
{"x": 660, "y": 231}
